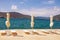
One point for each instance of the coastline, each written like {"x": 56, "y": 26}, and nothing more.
{"x": 32, "y": 37}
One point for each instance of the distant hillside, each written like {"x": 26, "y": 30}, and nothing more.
{"x": 57, "y": 17}
{"x": 19, "y": 15}
{"x": 42, "y": 18}
{"x": 14, "y": 15}
{"x": 46, "y": 18}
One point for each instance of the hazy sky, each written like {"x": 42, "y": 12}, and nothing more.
{"x": 36, "y": 7}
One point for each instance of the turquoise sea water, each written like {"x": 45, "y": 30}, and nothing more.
{"x": 17, "y": 23}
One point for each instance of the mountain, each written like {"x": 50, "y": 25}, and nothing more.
{"x": 14, "y": 15}
{"x": 42, "y": 18}
{"x": 20, "y": 15}
{"x": 57, "y": 17}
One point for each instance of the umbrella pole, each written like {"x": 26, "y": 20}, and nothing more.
{"x": 32, "y": 23}
{"x": 8, "y": 23}
{"x": 51, "y": 22}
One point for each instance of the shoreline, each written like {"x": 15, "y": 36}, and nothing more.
{"x": 23, "y": 36}
{"x": 30, "y": 29}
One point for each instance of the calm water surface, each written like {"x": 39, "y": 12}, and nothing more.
{"x": 17, "y": 23}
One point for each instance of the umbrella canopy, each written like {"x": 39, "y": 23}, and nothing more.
{"x": 51, "y": 21}
{"x": 32, "y": 21}
{"x": 7, "y": 21}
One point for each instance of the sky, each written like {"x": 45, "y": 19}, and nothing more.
{"x": 43, "y": 8}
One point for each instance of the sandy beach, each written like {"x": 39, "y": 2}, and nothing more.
{"x": 23, "y": 36}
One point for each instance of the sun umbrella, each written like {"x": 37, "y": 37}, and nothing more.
{"x": 7, "y": 21}
{"x": 32, "y": 21}
{"x": 51, "y": 21}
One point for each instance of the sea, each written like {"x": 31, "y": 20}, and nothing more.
{"x": 23, "y": 23}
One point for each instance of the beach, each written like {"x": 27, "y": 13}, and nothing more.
{"x": 23, "y": 36}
